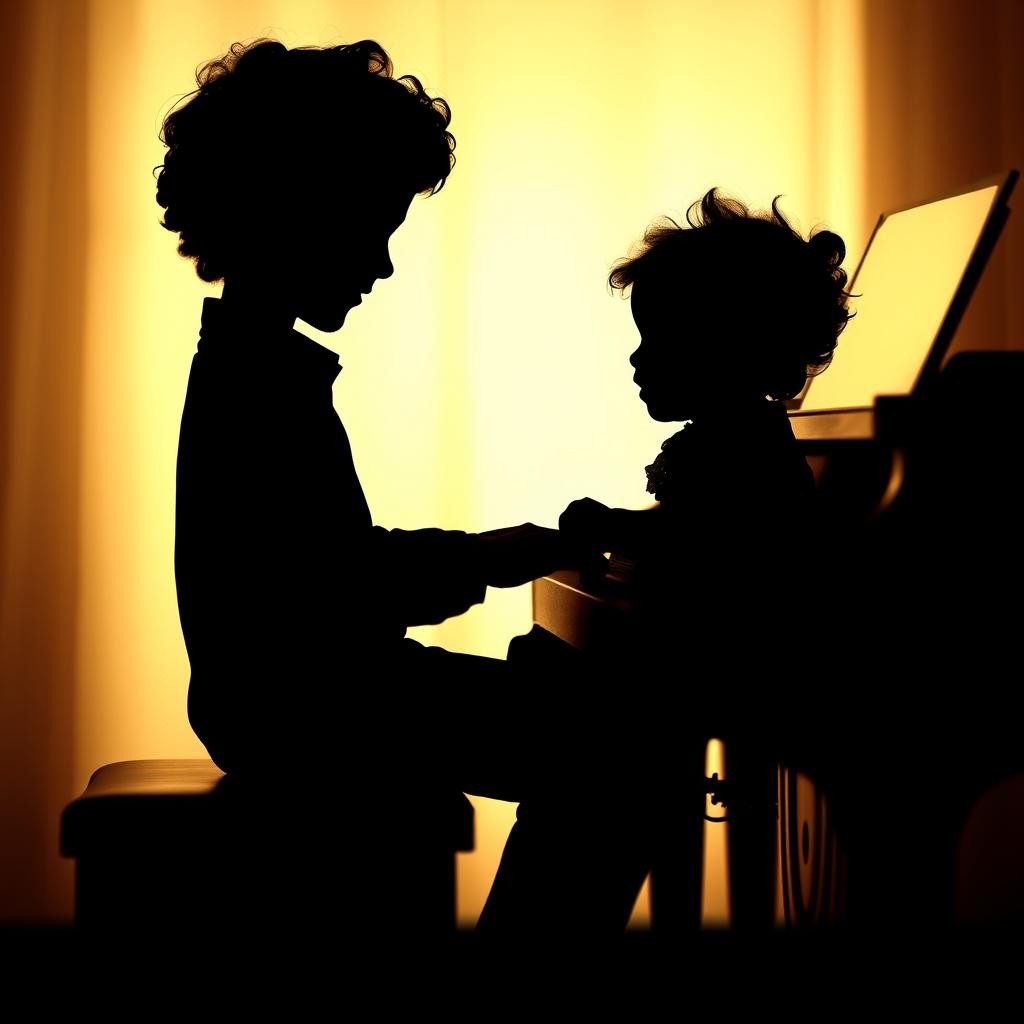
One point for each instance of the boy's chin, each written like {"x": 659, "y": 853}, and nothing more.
{"x": 328, "y": 323}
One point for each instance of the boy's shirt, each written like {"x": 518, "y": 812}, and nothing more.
{"x": 289, "y": 597}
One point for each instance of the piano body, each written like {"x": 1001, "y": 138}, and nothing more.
{"x": 847, "y": 797}
{"x": 905, "y": 707}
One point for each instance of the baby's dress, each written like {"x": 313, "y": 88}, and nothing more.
{"x": 736, "y": 507}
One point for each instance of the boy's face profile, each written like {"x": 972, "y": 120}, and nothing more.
{"x": 341, "y": 253}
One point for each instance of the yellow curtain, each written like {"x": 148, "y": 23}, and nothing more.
{"x": 44, "y": 347}
{"x": 577, "y": 123}
{"x": 944, "y": 106}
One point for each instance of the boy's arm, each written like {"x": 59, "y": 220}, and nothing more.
{"x": 435, "y": 574}
{"x": 425, "y": 576}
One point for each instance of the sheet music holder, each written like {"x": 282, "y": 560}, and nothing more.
{"x": 896, "y": 343}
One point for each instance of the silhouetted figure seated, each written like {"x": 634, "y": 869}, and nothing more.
{"x": 287, "y": 172}
{"x": 734, "y": 314}
{"x": 294, "y": 606}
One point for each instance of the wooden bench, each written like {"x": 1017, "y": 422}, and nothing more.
{"x": 171, "y": 846}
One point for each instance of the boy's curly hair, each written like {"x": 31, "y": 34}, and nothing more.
{"x": 778, "y": 297}
{"x": 270, "y": 126}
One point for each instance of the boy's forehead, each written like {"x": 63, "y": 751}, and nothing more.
{"x": 380, "y": 200}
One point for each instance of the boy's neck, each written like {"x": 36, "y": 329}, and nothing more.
{"x": 249, "y": 301}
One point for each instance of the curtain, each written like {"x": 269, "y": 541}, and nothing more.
{"x": 945, "y": 107}
{"x": 42, "y": 351}
{"x": 577, "y": 124}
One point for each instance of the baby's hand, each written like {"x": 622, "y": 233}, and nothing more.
{"x": 587, "y": 523}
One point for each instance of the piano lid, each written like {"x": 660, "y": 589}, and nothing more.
{"x": 912, "y": 286}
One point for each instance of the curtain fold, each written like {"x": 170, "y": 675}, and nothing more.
{"x": 46, "y": 197}
{"x": 945, "y": 108}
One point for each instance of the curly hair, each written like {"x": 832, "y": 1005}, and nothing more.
{"x": 755, "y": 273}
{"x": 239, "y": 149}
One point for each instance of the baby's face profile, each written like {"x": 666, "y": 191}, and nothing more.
{"x": 673, "y": 363}
{"x": 342, "y": 253}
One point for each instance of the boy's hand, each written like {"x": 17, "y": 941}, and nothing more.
{"x": 519, "y": 554}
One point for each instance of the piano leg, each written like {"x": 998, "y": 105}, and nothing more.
{"x": 678, "y": 863}
{"x": 753, "y": 773}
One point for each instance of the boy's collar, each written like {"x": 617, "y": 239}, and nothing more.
{"x": 239, "y": 337}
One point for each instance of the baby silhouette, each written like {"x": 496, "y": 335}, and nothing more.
{"x": 735, "y": 312}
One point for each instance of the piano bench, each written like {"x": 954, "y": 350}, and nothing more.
{"x": 165, "y": 847}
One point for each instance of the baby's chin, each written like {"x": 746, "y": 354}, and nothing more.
{"x": 663, "y": 413}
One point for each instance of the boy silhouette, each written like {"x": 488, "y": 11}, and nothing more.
{"x": 287, "y": 171}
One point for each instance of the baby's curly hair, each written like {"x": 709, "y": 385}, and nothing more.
{"x": 754, "y": 273}
{"x": 238, "y": 156}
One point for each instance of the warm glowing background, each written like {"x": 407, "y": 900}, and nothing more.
{"x": 486, "y": 383}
